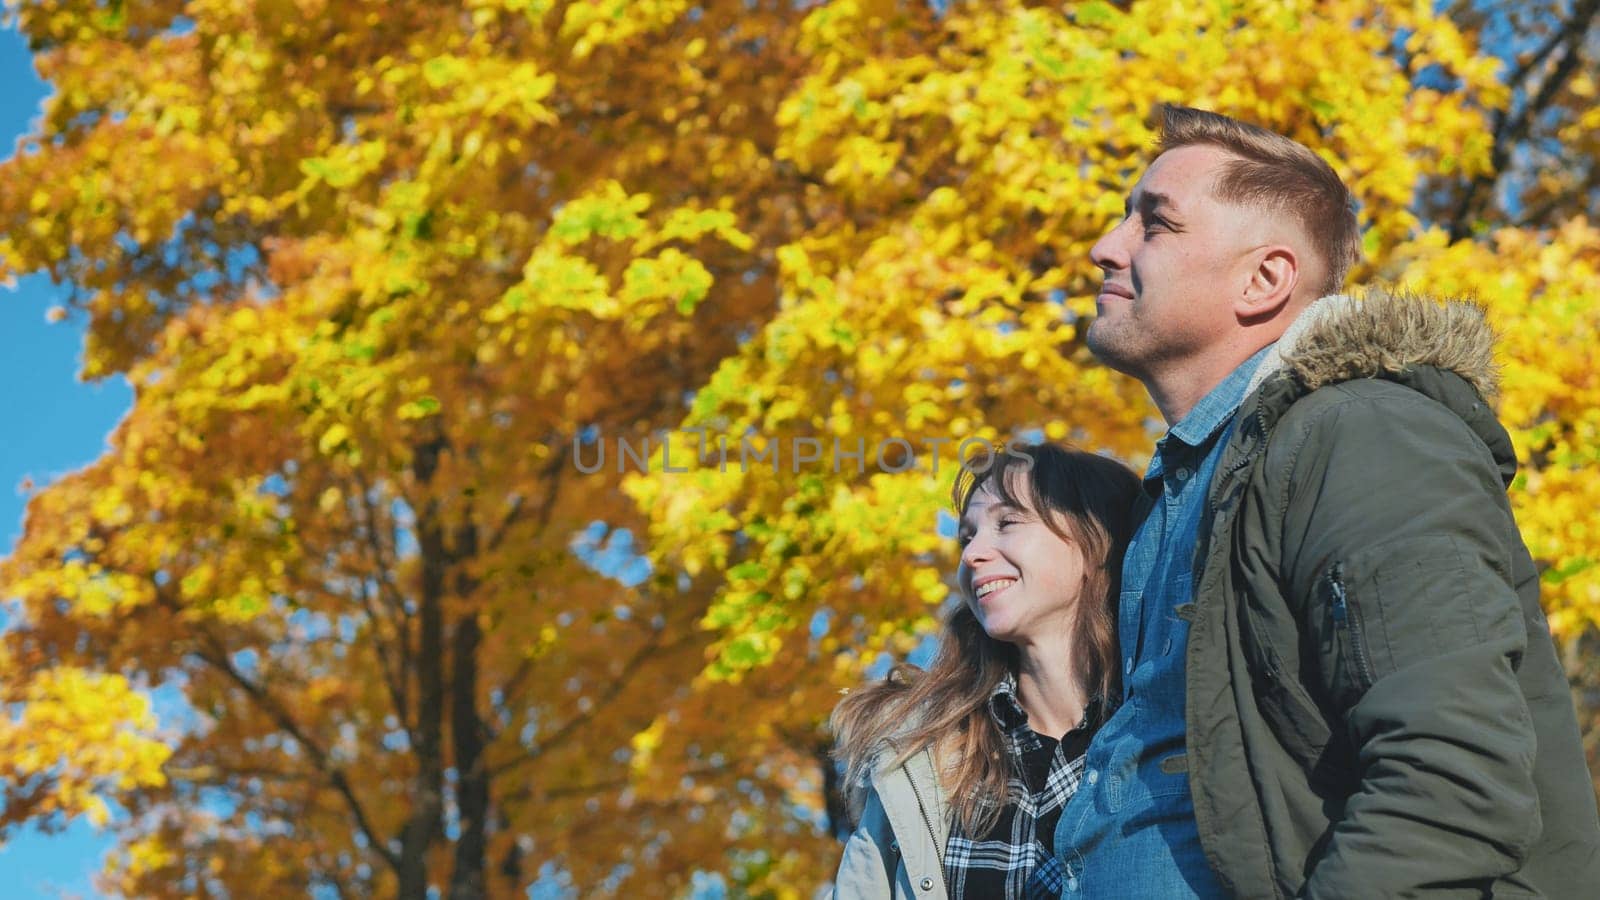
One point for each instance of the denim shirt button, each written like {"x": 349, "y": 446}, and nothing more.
{"x": 1094, "y": 776}
{"x": 1072, "y": 884}
{"x": 1128, "y": 669}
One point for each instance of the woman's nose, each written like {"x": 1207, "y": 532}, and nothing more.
{"x": 978, "y": 550}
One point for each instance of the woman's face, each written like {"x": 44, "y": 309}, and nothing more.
{"x": 1019, "y": 577}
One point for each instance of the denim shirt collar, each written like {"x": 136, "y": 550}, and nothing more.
{"x": 1207, "y": 417}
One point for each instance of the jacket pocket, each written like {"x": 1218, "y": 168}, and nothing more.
{"x": 1351, "y": 651}
{"x": 1299, "y": 717}
{"x": 1405, "y": 601}
{"x": 1302, "y": 727}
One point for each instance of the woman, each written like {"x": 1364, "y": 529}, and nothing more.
{"x": 962, "y": 771}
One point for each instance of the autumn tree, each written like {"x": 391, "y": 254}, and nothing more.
{"x": 388, "y": 277}
{"x": 370, "y": 268}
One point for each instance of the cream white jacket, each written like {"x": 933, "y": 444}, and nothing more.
{"x": 897, "y": 852}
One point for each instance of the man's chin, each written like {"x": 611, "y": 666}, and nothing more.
{"x": 1101, "y": 339}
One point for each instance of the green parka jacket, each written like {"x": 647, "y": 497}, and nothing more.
{"x": 1375, "y": 707}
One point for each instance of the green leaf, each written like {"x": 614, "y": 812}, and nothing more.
{"x": 745, "y": 652}
{"x": 748, "y": 571}
{"x": 1576, "y": 566}
{"x": 420, "y": 408}
{"x": 442, "y": 71}
{"x": 1095, "y": 12}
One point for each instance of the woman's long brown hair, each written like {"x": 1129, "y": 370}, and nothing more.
{"x": 1087, "y": 500}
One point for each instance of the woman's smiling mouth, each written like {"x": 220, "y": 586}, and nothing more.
{"x": 991, "y": 587}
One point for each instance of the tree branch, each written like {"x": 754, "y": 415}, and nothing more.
{"x": 393, "y": 675}
{"x": 384, "y": 567}
{"x": 630, "y": 669}
{"x": 216, "y": 656}
{"x": 1509, "y": 129}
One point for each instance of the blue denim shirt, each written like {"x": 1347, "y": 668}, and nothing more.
{"x": 1130, "y": 829}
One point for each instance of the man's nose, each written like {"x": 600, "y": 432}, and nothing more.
{"x": 1110, "y": 252}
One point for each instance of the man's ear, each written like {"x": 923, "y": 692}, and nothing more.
{"x": 1270, "y": 284}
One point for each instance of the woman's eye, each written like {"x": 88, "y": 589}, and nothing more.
{"x": 1005, "y": 522}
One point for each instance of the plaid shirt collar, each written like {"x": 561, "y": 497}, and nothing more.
{"x": 1007, "y": 711}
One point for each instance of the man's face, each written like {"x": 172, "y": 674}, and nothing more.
{"x": 1173, "y": 266}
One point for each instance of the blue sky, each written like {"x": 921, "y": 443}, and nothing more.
{"x": 54, "y": 424}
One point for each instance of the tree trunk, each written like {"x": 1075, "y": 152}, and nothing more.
{"x": 428, "y": 799}
{"x": 467, "y": 880}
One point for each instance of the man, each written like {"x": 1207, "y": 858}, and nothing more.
{"x": 1337, "y": 680}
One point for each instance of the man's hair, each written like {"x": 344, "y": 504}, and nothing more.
{"x": 1275, "y": 173}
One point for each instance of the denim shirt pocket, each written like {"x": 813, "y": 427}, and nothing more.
{"x": 1143, "y": 779}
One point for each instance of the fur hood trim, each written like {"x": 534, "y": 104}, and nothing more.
{"x": 1341, "y": 338}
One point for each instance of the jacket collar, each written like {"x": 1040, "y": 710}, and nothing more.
{"x": 1442, "y": 350}
{"x": 1377, "y": 334}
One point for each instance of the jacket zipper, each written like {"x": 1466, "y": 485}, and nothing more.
{"x": 1347, "y": 616}
{"x": 932, "y": 832}
{"x": 1252, "y": 420}
{"x": 1203, "y": 540}
{"x": 1244, "y": 460}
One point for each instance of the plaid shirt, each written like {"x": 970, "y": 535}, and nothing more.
{"x": 1014, "y": 859}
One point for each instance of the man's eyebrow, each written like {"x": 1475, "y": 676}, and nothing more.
{"x": 1153, "y": 200}
{"x": 1148, "y": 202}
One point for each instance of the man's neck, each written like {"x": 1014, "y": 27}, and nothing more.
{"x": 1179, "y": 384}
{"x": 1178, "y": 388}
{"x": 1176, "y": 395}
